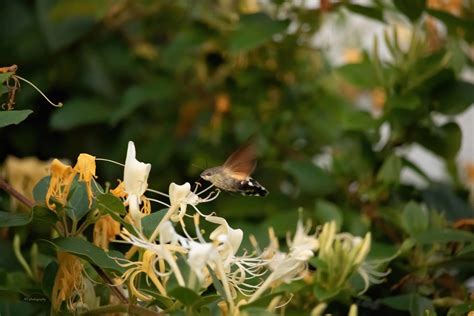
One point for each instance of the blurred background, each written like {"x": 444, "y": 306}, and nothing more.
{"x": 355, "y": 104}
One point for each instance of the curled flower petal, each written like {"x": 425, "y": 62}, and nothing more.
{"x": 136, "y": 173}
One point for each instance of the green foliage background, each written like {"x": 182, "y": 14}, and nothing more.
{"x": 188, "y": 81}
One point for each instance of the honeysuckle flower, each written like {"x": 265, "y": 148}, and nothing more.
{"x": 68, "y": 281}
{"x": 345, "y": 254}
{"x": 287, "y": 267}
{"x": 85, "y": 166}
{"x": 105, "y": 229}
{"x": 62, "y": 177}
{"x": 119, "y": 191}
{"x": 200, "y": 255}
{"x": 163, "y": 251}
{"x": 135, "y": 174}
{"x": 303, "y": 246}
{"x": 228, "y": 240}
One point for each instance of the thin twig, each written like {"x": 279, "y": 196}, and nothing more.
{"x": 17, "y": 195}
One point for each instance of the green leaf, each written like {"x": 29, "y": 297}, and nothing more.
{"x": 8, "y": 219}
{"x": 420, "y": 305}
{"x": 370, "y": 12}
{"x": 49, "y": 275}
{"x": 453, "y": 98}
{"x": 139, "y": 95}
{"x": 43, "y": 215}
{"x": 262, "y": 301}
{"x": 88, "y": 252}
{"x": 390, "y": 171}
{"x": 78, "y": 203}
{"x": 326, "y": 211}
{"x": 4, "y": 76}
{"x": 13, "y": 117}
{"x": 185, "y": 295}
{"x": 359, "y": 74}
{"x": 407, "y": 102}
{"x": 444, "y": 199}
{"x": 357, "y": 120}
{"x": 151, "y": 221}
{"x": 414, "y": 218}
{"x": 411, "y": 8}
{"x": 107, "y": 203}
{"x": 311, "y": 178}
{"x": 444, "y": 141}
{"x": 444, "y": 236}
{"x": 80, "y": 112}
{"x": 323, "y": 294}
{"x": 40, "y": 190}
{"x": 254, "y": 30}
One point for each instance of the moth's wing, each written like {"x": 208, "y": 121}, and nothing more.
{"x": 242, "y": 162}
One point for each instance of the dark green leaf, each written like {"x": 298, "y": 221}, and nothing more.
{"x": 414, "y": 219}
{"x": 444, "y": 236}
{"x": 79, "y": 112}
{"x": 407, "y": 102}
{"x": 326, "y": 211}
{"x": 411, "y": 8}
{"x": 311, "y": 178}
{"x": 78, "y": 203}
{"x": 444, "y": 141}
{"x": 49, "y": 276}
{"x": 444, "y": 199}
{"x": 323, "y": 294}
{"x": 107, "y": 203}
{"x": 13, "y": 117}
{"x": 357, "y": 120}
{"x": 453, "y": 98}
{"x": 88, "y": 251}
{"x": 254, "y": 30}
{"x": 185, "y": 295}
{"x": 8, "y": 219}
{"x": 370, "y": 12}
{"x": 390, "y": 171}
{"x": 139, "y": 95}
{"x": 420, "y": 305}
{"x": 43, "y": 215}
{"x": 40, "y": 190}
{"x": 151, "y": 221}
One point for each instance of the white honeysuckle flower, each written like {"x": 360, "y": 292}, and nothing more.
{"x": 227, "y": 238}
{"x": 303, "y": 246}
{"x": 201, "y": 255}
{"x": 135, "y": 174}
{"x": 287, "y": 267}
{"x": 169, "y": 235}
{"x": 134, "y": 210}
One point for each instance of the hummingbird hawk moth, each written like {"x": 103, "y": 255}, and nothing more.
{"x": 234, "y": 174}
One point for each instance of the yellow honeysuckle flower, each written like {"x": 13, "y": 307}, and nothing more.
{"x": 85, "y": 166}
{"x": 119, "y": 191}
{"x": 62, "y": 177}
{"x": 68, "y": 281}
{"x": 105, "y": 229}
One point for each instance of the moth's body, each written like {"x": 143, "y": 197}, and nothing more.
{"x": 234, "y": 174}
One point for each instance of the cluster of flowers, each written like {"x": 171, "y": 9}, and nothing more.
{"x": 242, "y": 276}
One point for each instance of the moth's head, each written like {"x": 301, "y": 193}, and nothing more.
{"x": 209, "y": 173}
